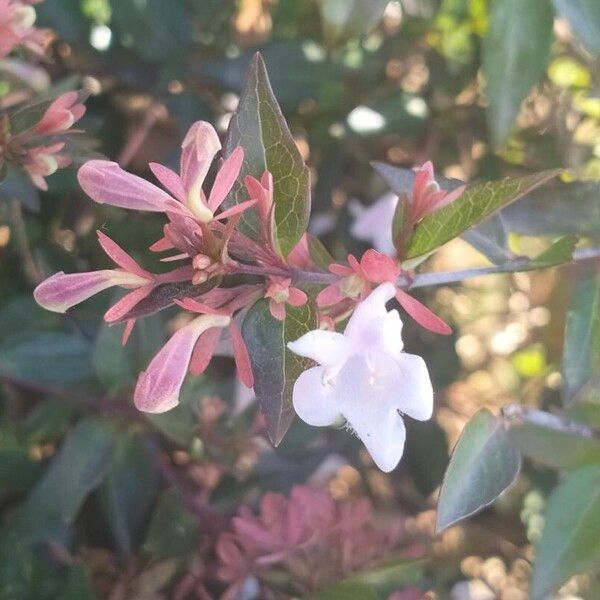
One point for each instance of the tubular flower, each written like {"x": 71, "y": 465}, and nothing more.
{"x": 375, "y": 267}
{"x": 16, "y": 28}
{"x": 364, "y": 377}
{"x": 105, "y": 182}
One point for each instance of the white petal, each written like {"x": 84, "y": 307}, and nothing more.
{"x": 372, "y": 307}
{"x": 328, "y": 348}
{"x": 366, "y": 404}
{"x": 415, "y": 396}
{"x": 373, "y": 224}
{"x": 316, "y": 402}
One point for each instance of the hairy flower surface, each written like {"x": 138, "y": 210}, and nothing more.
{"x": 365, "y": 378}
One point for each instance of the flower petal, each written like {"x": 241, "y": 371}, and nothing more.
{"x": 328, "y": 348}
{"x": 226, "y": 177}
{"x": 330, "y": 295}
{"x": 373, "y": 307}
{"x": 241, "y": 356}
{"x": 106, "y": 183}
{"x": 421, "y": 314}
{"x": 119, "y": 256}
{"x": 366, "y": 392}
{"x": 199, "y": 148}
{"x": 415, "y": 396}
{"x": 62, "y": 291}
{"x": 123, "y": 306}
{"x": 158, "y": 387}
{"x": 204, "y": 350}
{"x": 169, "y": 179}
{"x": 315, "y": 401}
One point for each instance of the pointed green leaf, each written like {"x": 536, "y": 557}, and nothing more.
{"x": 260, "y": 128}
{"x": 584, "y": 18}
{"x": 275, "y": 367}
{"x": 75, "y": 471}
{"x": 128, "y": 491}
{"x": 559, "y": 253}
{"x": 570, "y": 541}
{"x": 473, "y": 206}
{"x": 484, "y": 463}
{"x": 319, "y": 254}
{"x": 515, "y": 53}
{"x": 581, "y": 357}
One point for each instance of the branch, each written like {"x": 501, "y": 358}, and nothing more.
{"x": 511, "y": 266}
{"x": 515, "y": 414}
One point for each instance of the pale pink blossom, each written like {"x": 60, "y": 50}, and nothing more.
{"x": 60, "y": 115}
{"x": 17, "y": 19}
{"x": 364, "y": 378}
{"x": 107, "y": 183}
{"x": 316, "y": 539}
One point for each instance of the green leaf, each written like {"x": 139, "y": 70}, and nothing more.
{"x": 173, "y": 530}
{"x": 515, "y": 53}
{"x": 75, "y": 471}
{"x": 18, "y": 473}
{"x": 260, "y": 128}
{"x": 79, "y": 584}
{"x": 117, "y": 366}
{"x": 345, "y": 590}
{"x": 275, "y": 367}
{"x": 128, "y": 491}
{"x": 554, "y": 441}
{"x": 484, "y": 463}
{"x": 581, "y": 356}
{"x": 476, "y": 204}
{"x": 584, "y": 18}
{"x": 47, "y": 421}
{"x": 559, "y": 253}
{"x": 571, "y": 537}
{"x": 47, "y": 357}
{"x": 555, "y": 210}
{"x": 320, "y": 255}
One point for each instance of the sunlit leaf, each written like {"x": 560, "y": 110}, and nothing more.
{"x": 483, "y": 464}
{"x": 260, "y": 128}
{"x": 515, "y": 52}
{"x": 275, "y": 367}
{"x": 473, "y": 206}
{"x": 570, "y": 541}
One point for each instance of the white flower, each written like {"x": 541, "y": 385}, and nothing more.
{"x": 364, "y": 377}
{"x": 374, "y": 223}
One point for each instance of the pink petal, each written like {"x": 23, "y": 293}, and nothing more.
{"x": 169, "y": 179}
{"x": 341, "y": 270}
{"x": 421, "y": 314}
{"x": 199, "y": 148}
{"x": 62, "y": 291}
{"x": 449, "y": 198}
{"x": 119, "y": 256}
{"x": 226, "y": 177}
{"x": 277, "y": 310}
{"x": 234, "y": 210}
{"x": 204, "y": 350}
{"x": 330, "y": 295}
{"x": 297, "y": 297}
{"x": 158, "y": 387}
{"x": 195, "y": 306}
{"x": 161, "y": 245}
{"x": 300, "y": 257}
{"x": 241, "y": 356}
{"x": 120, "y": 308}
{"x": 106, "y": 183}
{"x": 129, "y": 324}
{"x": 379, "y": 267}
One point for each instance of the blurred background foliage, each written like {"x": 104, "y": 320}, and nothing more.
{"x": 100, "y": 501}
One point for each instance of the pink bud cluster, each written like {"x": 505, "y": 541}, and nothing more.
{"x": 41, "y": 149}
{"x": 17, "y": 18}
{"x": 203, "y": 237}
{"x": 314, "y": 538}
